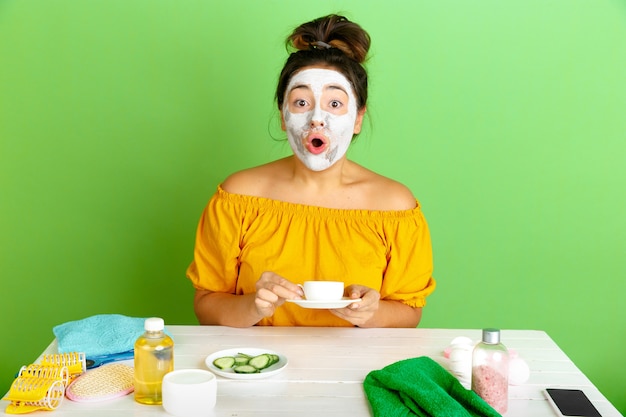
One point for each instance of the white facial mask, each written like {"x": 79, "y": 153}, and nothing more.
{"x": 320, "y": 138}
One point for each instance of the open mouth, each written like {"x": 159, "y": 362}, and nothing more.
{"x": 316, "y": 144}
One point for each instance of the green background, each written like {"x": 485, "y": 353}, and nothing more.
{"x": 507, "y": 119}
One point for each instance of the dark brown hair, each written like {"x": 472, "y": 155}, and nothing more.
{"x": 331, "y": 41}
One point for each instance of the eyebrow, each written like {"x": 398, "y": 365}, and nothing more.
{"x": 337, "y": 87}
{"x": 328, "y": 87}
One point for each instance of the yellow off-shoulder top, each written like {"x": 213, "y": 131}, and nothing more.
{"x": 239, "y": 237}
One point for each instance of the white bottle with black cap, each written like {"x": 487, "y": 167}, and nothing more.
{"x": 490, "y": 370}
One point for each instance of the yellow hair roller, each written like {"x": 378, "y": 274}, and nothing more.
{"x": 75, "y": 362}
{"x": 42, "y": 386}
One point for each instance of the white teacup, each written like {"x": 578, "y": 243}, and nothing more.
{"x": 189, "y": 392}
{"x": 323, "y": 290}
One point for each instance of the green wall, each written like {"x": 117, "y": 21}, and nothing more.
{"x": 118, "y": 118}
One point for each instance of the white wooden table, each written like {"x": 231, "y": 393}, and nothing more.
{"x": 327, "y": 366}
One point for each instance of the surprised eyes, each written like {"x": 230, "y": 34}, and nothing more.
{"x": 331, "y": 106}
{"x": 335, "y": 104}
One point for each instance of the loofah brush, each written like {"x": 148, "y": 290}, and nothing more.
{"x": 103, "y": 383}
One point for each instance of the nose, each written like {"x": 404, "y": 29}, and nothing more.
{"x": 317, "y": 120}
{"x": 317, "y": 123}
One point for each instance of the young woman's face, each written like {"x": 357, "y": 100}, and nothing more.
{"x": 320, "y": 116}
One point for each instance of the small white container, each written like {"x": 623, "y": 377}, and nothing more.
{"x": 189, "y": 393}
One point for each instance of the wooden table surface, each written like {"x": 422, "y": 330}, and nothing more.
{"x": 326, "y": 368}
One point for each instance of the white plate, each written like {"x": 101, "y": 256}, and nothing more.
{"x": 344, "y": 302}
{"x": 229, "y": 373}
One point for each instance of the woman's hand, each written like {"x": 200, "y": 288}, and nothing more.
{"x": 272, "y": 290}
{"x": 359, "y": 313}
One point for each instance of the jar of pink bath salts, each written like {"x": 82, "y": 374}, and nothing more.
{"x": 490, "y": 370}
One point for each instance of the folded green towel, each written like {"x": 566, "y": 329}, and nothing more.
{"x": 422, "y": 387}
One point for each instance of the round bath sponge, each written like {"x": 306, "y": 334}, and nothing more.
{"x": 103, "y": 383}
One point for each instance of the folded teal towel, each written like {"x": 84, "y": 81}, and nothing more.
{"x": 421, "y": 387}
{"x": 102, "y": 334}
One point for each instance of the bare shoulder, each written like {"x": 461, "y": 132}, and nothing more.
{"x": 395, "y": 195}
{"x": 384, "y": 193}
{"x": 253, "y": 181}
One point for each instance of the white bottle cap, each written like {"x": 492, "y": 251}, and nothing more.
{"x": 154, "y": 324}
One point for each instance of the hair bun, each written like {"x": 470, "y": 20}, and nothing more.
{"x": 332, "y": 31}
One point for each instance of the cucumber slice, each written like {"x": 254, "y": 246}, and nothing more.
{"x": 225, "y": 362}
{"x": 245, "y": 369}
{"x": 246, "y": 364}
{"x": 240, "y": 360}
{"x": 260, "y": 361}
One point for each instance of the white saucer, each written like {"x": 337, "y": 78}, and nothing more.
{"x": 344, "y": 302}
{"x": 229, "y": 373}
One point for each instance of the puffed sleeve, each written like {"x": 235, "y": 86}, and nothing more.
{"x": 217, "y": 247}
{"x": 408, "y": 277}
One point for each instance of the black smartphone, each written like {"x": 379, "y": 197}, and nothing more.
{"x": 571, "y": 402}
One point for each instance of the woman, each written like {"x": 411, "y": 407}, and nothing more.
{"x": 314, "y": 215}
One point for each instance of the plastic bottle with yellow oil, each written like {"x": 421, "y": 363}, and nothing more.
{"x": 154, "y": 357}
